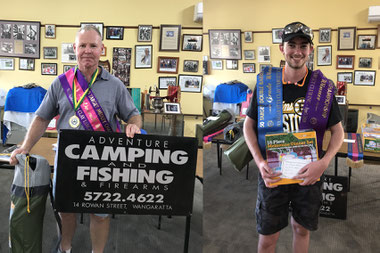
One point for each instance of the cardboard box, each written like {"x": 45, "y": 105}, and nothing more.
{"x": 289, "y": 152}
{"x": 371, "y": 137}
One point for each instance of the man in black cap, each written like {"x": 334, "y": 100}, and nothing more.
{"x": 296, "y": 86}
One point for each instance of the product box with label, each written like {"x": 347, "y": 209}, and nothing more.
{"x": 371, "y": 137}
{"x": 290, "y": 152}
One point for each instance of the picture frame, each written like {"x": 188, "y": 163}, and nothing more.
{"x": 263, "y": 66}
{"x": 50, "y": 31}
{"x": 190, "y": 83}
{"x": 365, "y": 62}
{"x": 345, "y": 61}
{"x": 67, "y": 68}
{"x": 172, "y": 108}
{"x": 378, "y": 36}
{"x": 20, "y": 39}
{"x": 115, "y": 33}
{"x": 249, "y": 54}
{"x": 277, "y": 35}
{"x": 104, "y": 51}
{"x": 225, "y": 44}
{"x": 49, "y": 69}
{"x": 324, "y": 35}
{"x": 121, "y": 64}
{"x": 98, "y": 25}
{"x": 106, "y": 65}
{"x": 217, "y": 65}
{"x": 170, "y": 36}
{"x": 366, "y": 42}
{"x": 67, "y": 53}
{"x": 324, "y": 55}
{"x": 282, "y": 63}
{"x": 365, "y": 78}
{"x": 344, "y": 77}
{"x": 167, "y": 65}
{"x": 192, "y": 42}
{"x": 232, "y": 64}
{"x": 144, "y": 33}
{"x": 26, "y": 64}
{"x": 263, "y": 54}
{"x": 346, "y": 38}
{"x": 340, "y": 99}
{"x": 143, "y": 56}
{"x": 190, "y": 66}
{"x": 7, "y": 63}
{"x": 50, "y": 52}
{"x": 165, "y": 81}
{"x": 249, "y": 68}
{"x": 248, "y": 37}
{"x": 310, "y": 61}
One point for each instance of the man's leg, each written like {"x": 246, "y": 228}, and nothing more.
{"x": 69, "y": 222}
{"x": 99, "y": 227}
{"x": 301, "y": 238}
{"x": 267, "y": 243}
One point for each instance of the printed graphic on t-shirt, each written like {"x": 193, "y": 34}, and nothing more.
{"x": 292, "y": 114}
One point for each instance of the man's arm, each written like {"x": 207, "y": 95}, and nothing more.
{"x": 134, "y": 124}
{"x": 253, "y": 145}
{"x": 36, "y": 130}
{"x": 313, "y": 171}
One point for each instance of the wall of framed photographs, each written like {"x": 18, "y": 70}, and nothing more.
{"x": 261, "y": 33}
{"x": 119, "y": 31}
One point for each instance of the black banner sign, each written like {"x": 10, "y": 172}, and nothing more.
{"x": 334, "y": 204}
{"x": 102, "y": 172}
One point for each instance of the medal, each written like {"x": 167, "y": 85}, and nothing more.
{"x": 74, "y": 121}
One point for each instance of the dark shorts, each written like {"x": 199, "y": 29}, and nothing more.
{"x": 274, "y": 204}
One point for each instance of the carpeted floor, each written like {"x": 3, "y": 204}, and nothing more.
{"x": 230, "y": 226}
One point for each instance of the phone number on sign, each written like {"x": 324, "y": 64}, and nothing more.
{"x": 117, "y": 197}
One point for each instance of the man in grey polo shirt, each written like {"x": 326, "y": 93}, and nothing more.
{"x": 97, "y": 90}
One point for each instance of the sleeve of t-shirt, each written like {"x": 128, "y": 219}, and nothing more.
{"x": 49, "y": 106}
{"x": 335, "y": 117}
{"x": 252, "y": 108}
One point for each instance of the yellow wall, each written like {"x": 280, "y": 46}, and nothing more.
{"x": 112, "y": 13}
{"x": 262, "y": 16}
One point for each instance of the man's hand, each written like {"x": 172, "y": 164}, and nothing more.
{"x": 13, "y": 160}
{"x": 131, "y": 130}
{"x": 311, "y": 172}
{"x": 268, "y": 175}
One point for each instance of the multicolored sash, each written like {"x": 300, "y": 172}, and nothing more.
{"x": 355, "y": 151}
{"x": 90, "y": 113}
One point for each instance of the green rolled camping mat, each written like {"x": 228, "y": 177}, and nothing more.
{"x": 238, "y": 154}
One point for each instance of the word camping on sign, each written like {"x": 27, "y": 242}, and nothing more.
{"x": 104, "y": 172}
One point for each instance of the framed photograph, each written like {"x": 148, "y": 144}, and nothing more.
{"x": 249, "y": 68}
{"x": 366, "y": 78}
{"x": 264, "y": 54}
{"x": 49, "y": 69}
{"x": 310, "y": 61}
{"x": 345, "y": 61}
{"x": 365, "y": 62}
{"x": 378, "y": 36}
{"x": 165, "y": 81}
{"x": 167, "y": 65}
{"x": 50, "y": 52}
{"x": 192, "y": 42}
{"x": 68, "y": 54}
{"x": 340, "y": 99}
{"x": 190, "y": 66}
{"x": 277, "y": 35}
{"x": 217, "y": 65}
{"x": 174, "y": 108}
{"x": 144, "y": 33}
{"x": 225, "y": 44}
{"x": 366, "y": 41}
{"x": 324, "y": 35}
{"x": 26, "y": 64}
{"x": 104, "y": 51}
{"x": 248, "y": 37}
{"x": 263, "y": 66}
{"x": 170, "y": 36}
{"x": 121, "y": 64}
{"x": 282, "y": 63}
{"x": 143, "y": 56}
{"x": 67, "y": 68}
{"x": 50, "y": 31}
{"x": 232, "y": 64}
{"x": 20, "y": 39}
{"x": 7, "y": 64}
{"x": 324, "y": 55}
{"x": 249, "y": 54}
{"x": 345, "y": 77}
{"x": 190, "y": 83}
{"x": 346, "y": 38}
{"x": 115, "y": 33}
{"x": 106, "y": 65}
{"x": 98, "y": 26}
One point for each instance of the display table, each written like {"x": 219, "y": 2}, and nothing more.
{"x": 162, "y": 123}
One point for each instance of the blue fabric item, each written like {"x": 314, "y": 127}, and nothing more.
{"x": 143, "y": 131}
{"x": 5, "y": 132}
{"x": 231, "y": 93}
{"x": 24, "y": 100}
